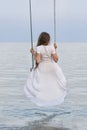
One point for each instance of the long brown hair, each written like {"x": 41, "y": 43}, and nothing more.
{"x": 43, "y": 39}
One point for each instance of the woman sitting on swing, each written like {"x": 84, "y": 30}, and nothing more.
{"x": 47, "y": 84}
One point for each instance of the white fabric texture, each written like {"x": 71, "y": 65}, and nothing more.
{"x": 46, "y": 85}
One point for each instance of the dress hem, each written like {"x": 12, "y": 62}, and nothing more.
{"x": 43, "y": 103}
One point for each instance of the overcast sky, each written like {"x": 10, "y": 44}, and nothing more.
{"x": 71, "y": 18}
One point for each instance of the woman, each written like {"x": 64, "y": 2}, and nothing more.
{"x": 47, "y": 84}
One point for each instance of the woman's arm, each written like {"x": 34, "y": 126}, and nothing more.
{"x": 54, "y": 54}
{"x": 55, "y": 57}
{"x": 38, "y": 58}
{"x": 33, "y": 52}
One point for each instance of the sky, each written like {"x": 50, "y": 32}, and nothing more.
{"x": 71, "y": 20}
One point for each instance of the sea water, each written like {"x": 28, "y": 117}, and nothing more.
{"x": 17, "y": 112}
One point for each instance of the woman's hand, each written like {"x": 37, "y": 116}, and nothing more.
{"x": 55, "y": 45}
{"x": 32, "y": 51}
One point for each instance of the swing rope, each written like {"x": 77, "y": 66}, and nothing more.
{"x": 54, "y": 21}
{"x": 31, "y": 32}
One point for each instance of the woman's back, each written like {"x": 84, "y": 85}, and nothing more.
{"x": 46, "y": 52}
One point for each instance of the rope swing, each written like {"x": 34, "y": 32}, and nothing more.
{"x": 54, "y": 21}
{"x": 31, "y": 32}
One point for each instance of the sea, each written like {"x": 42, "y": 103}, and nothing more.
{"x": 18, "y": 113}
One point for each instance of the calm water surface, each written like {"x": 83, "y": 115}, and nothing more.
{"x": 17, "y": 112}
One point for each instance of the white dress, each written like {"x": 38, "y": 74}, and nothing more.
{"x": 46, "y": 85}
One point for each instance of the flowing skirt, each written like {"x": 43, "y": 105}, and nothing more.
{"x": 46, "y": 85}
